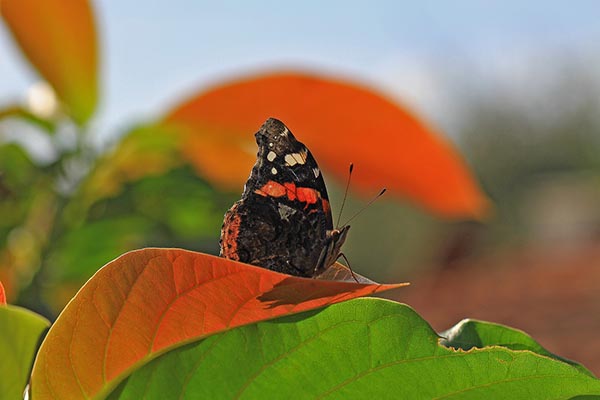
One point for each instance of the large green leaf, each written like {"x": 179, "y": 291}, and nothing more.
{"x": 20, "y": 332}
{"x": 472, "y": 333}
{"x": 367, "y": 348}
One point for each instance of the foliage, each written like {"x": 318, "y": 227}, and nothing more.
{"x": 347, "y": 351}
{"x": 158, "y": 316}
{"x": 193, "y": 296}
{"x": 205, "y": 323}
{"x": 20, "y": 332}
{"x": 89, "y": 206}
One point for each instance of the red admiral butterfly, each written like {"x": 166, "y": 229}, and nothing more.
{"x": 283, "y": 221}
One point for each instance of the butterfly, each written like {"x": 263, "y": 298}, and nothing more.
{"x": 283, "y": 221}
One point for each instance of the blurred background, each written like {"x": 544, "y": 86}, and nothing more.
{"x": 515, "y": 87}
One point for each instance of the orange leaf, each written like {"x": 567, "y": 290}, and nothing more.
{"x": 341, "y": 122}
{"x": 59, "y": 39}
{"x": 150, "y": 301}
{"x": 2, "y": 295}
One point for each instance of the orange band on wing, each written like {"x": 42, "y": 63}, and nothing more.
{"x": 326, "y": 207}
{"x": 289, "y": 189}
{"x": 271, "y": 189}
{"x": 229, "y": 234}
{"x": 307, "y": 195}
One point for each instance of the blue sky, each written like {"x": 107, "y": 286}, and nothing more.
{"x": 156, "y": 54}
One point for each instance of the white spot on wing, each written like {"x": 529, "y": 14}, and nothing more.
{"x": 296, "y": 158}
{"x": 274, "y": 171}
{"x": 271, "y": 144}
{"x": 303, "y": 154}
{"x": 271, "y": 156}
{"x": 299, "y": 157}
{"x": 316, "y": 172}
{"x": 290, "y": 160}
{"x": 285, "y": 211}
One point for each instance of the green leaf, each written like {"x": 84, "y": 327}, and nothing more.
{"x": 17, "y": 173}
{"x": 20, "y": 112}
{"x": 80, "y": 251}
{"x": 20, "y": 331}
{"x": 366, "y": 348}
{"x": 16, "y": 168}
{"x": 192, "y": 210}
{"x": 144, "y": 151}
{"x": 472, "y": 333}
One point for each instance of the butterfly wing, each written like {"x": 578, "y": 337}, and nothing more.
{"x": 283, "y": 221}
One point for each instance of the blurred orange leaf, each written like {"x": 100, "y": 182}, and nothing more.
{"x": 2, "y": 295}
{"x": 59, "y": 39}
{"x": 341, "y": 122}
{"x": 150, "y": 301}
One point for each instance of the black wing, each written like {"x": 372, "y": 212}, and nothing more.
{"x": 283, "y": 221}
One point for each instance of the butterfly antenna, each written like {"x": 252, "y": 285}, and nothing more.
{"x": 345, "y": 195}
{"x": 366, "y": 206}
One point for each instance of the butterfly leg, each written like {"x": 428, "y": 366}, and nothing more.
{"x": 342, "y": 255}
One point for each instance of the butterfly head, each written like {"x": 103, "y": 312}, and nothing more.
{"x": 274, "y": 138}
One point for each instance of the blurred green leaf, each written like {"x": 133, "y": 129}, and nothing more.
{"x": 16, "y": 168}
{"x": 81, "y": 251}
{"x": 192, "y": 208}
{"x": 20, "y": 331}
{"x": 16, "y": 111}
{"x": 146, "y": 150}
{"x": 17, "y": 173}
{"x": 366, "y": 348}
{"x": 472, "y": 333}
